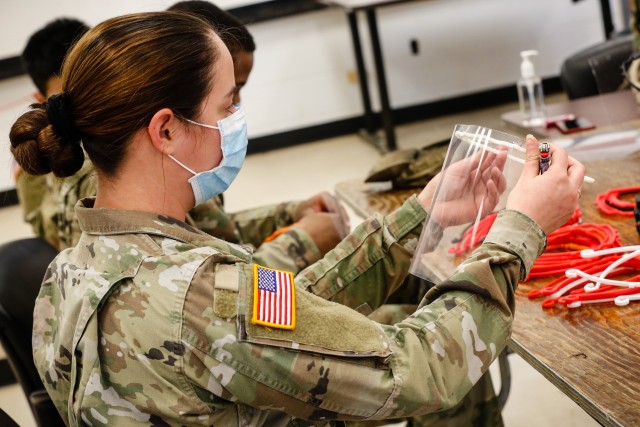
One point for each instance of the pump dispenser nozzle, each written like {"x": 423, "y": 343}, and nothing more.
{"x": 526, "y": 68}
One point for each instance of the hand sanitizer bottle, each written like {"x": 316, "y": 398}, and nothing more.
{"x": 530, "y": 92}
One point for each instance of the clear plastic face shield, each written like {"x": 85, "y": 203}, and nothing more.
{"x": 480, "y": 169}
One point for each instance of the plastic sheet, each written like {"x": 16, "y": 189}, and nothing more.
{"x": 476, "y": 155}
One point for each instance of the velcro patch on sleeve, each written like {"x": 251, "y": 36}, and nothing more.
{"x": 274, "y": 298}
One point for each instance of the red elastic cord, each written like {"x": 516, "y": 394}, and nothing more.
{"x": 474, "y": 235}
{"x": 564, "y": 246}
{"x": 610, "y": 203}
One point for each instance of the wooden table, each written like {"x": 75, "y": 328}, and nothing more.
{"x": 610, "y": 111}
{"x": 591, "y": 353}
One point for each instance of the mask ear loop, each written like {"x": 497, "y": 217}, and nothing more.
{"x": 194, "y": 173}
{"x": 183, "y": 165}
{"x": 203, "y": 125}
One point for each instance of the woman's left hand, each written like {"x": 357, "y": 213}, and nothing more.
{"x": 472, "y": 189}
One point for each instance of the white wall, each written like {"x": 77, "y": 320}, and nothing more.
{"x": 466, "y": 46}
{"x": 303, "y": 62}
{"x": 20, "y": 19}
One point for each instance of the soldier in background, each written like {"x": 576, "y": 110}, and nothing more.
{"x": 292, "y": 249}
{"x": 150, "y": 321}
{"x": 308, "y": 236}
{"x": 42, "y": 58}
{"x": 634, "y": 17}
{"x": 233, "y": 33}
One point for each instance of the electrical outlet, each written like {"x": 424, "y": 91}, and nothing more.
{"x": 414, "y": 47}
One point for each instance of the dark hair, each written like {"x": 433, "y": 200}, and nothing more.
{"x": 116, "y": 77}
{"x": 47, "y": 47}
{"x": 233, "y": 33}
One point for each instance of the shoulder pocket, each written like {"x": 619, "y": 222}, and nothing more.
{"x": 321, "y": 326}
{"x": 225, "y": 291}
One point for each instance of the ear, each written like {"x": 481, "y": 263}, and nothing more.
{"x": 161, "y": 130}
{"x": 39, "y": 97}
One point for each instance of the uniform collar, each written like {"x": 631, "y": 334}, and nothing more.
{"x": 105, "y": 221}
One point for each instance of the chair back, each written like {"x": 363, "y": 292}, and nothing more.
{"x": 6, "y": 420}
{"x": 596, "y": 69}
{"x": 23, "y": 264}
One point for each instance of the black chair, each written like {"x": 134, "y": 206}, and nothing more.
{"x": 596, "y": 69}
{"x": 22, "y": 266}
{"x": 6, "y": 420}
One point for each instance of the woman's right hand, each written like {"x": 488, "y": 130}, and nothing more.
{"x": 549, "y": 199}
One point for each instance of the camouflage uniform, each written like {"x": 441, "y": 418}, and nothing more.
{"x": 48, "y": 203}
{"x": 411, "y": 167}
{"x": 634, "y": 12}
{"x": 146, "y": 322}
{"x": 31, "y": 191}
{"x": 64, "y": 194}
{"x": 480, "y": 407}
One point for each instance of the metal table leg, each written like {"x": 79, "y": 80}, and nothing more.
{"x": 387, "y": 114}
{"x": 505, "y": 377}
{"x": 369, "y": 123}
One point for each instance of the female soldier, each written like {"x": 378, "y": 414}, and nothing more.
{"x": 149, "y": 321}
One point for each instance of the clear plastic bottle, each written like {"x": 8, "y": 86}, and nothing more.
{"x": 530, "y": 93}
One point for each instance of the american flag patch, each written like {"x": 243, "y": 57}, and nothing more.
{"x": 274, "y": 298}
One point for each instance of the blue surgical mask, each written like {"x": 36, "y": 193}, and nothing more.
{"x": 233, "y": 139}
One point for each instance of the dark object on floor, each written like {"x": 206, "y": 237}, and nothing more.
{"x": 6, "y": 420}
{"x": 22, "y": 267}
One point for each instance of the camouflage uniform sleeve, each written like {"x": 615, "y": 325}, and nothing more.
{"x": 292, "y": 251}
{"x": 424, "y": 364}
{"x": 378, "y": 251}
{"x": 254, "y": 225}
{"x": 50, "y": 211}
{"x": 31, "y": 190}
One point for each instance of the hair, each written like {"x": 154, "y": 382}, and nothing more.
{"x": 46, "y": 49}
{"x": 116, "y": 77}
{"x": 233, "y": 33}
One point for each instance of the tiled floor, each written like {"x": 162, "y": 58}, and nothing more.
{"x": 301, "y": 171}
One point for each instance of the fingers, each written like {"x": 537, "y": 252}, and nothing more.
{"x": 576, "y": 172}
{"x": 559, "y": 158}
{"x": 321, "y": 202}
{"x": 426, "y": 195}
{"x": 332, "y": 204}
{"x": 493, "y": 196}
{"x": 327, "y": 202}
{"x": 501, "y": 159}
{"x": 342, "y": 228}
{"x": 500, "y": 180}
{"x": 532, "y": 161}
